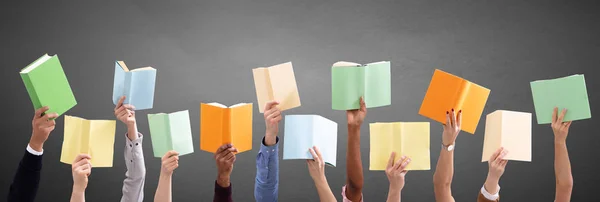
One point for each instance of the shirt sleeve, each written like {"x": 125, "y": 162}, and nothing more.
{"x": 135, "y": 177}
{"x": 27, "y": 179}
{"x": 485, "y": 196}
{"x": 266, "y": 186}
{"x": 222, "y": 194}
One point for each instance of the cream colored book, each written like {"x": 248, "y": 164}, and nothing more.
{"x": 93, "y": 137}
{"x": 276, "y": 83}
{"x": 508, "y": 129}
{"x": 409, "y": 139}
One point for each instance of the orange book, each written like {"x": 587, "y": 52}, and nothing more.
{"x": 447, "y": 92}
{"x": 220, "y": 125}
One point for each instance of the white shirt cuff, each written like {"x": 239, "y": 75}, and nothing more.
{"x": 32, "y": 151}
{"x": 487, "y": 195}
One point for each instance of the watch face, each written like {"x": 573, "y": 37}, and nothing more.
{"x": 451, "y": 147}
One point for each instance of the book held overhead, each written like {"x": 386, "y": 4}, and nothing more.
{"x": 447, "y": 92}
{"x": 350, "y": 81}
{"x": 171, "y": 132}
{"x": 305, "y": 131}
{"x": 565, "y": 93}
{"x": 136, "y": 85}
{"x": 220, "y": 125}
{"x": 47, "y": 85}
{"x": 276, "y": 83}
{"x": 508, "y": 129}
{"x": 93, "y": 137}
{"x": 410, "y": 139}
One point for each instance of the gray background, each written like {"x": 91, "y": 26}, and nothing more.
{"x": 204, "y": 51}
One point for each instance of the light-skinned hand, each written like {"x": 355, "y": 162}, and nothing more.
{"x": 316, "y": 166}
{"x": 42, "y": 125}
{"x": 125, "y": 112}
{"x": 397, "y": 171}
{"x": 169, "y": 162}
{"x": 272, "y": 117}
{"x": 496, "y": 165}
{"x": 357, "y": 116}
{"x": 81, "y": 169}
{"x": 452, "y": 127}
{"x": 560, "y": 128}
{"x": 224, "y": 158}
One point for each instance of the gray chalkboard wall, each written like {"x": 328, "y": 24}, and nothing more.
{"x": 204, "y": 51}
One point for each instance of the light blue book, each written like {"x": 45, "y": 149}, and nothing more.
{"x": 136, "y": 85}
{"x": 305, "y": 131}
{"x": 171, "y": 132}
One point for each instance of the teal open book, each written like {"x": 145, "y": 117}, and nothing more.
{"x": 305, "y": 131}
{"x": 171, "y": 132}
{"x": 47, "y": 85}
{"x": 136, "y": 85}
{"x": 567, "y": 92}
{"x": 350, "y": 81}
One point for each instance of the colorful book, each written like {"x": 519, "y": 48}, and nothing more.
{"x": 565, "y": 93}
{"x": 305, "y": 131}
{"x": 409, "y": 139}
{"x": 220, "y": 125}
{"x": 47, "y": 85}
{"x": 171, "y": 132}
{"x": 447, "y": 92}
{"x": 93, "y": 137}
{"x": 508, "y": 129}
{"x": 350, "y": 81}
{"x": 136, "y": 85}
{"x": 276, "y": 83}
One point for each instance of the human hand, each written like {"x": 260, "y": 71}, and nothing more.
{"x": 560, "y": 128}
{"x": 125, "y": 112}
{"x": 451, "y": 128}
{"x": 496, "y": 165}
{"x": 225, "y": 157}
{"x": 81, "y": 169}
{"x": 42, "y": 125}
{"x": 356, "y": 116}
{"x": 397, "y": 171}
{"x": 316, "y": 166}
{"x": 169, "y": 162}
{"x": 272, "y": 117}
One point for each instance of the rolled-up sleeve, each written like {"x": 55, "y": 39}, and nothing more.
{"x": 135, "y": 177}
{"x": 267, "y": 173}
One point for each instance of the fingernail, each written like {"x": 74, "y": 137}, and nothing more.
{"x": 446, "y": 112}
{"x": 460, "y": 111}
{"x": 452, "y": 109}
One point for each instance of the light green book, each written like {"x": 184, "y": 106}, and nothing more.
{"x": 567, "y": 92}
{"x": 350, "y": 81}
{"x": 171, "y": 132}
{"x": 47, "y": 85}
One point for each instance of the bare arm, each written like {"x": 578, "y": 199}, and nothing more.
{"x": 562, "y": 164}
{"x": 354, "y": 170}
{"x": 316, "y": 168}
{"x": 169, "y": 162}
{"x": 444, "y": 171}
{"x": 396, "y": 173}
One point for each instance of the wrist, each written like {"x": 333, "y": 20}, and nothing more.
{"x": 132, "y": 132}
{"x": 491, "y": 184}
{"x": 37, "y": 146}
{"x": 560, "y": 141}
{"x": 223, "y": 180}
{"x": 78, "y": 189}
{"x": 395, "y": 187}
{"x": 270, "y": 139}
{"x": 353, "y": 128}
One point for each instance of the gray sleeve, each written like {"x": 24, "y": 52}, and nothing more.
{"x": 133, "y": 185}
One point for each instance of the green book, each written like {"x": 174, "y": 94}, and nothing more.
{"x": 567, "y": 92}
{"x": 47, "y": 85}
{"x": 350, "y": 81}
{"x": 171, "y": 132}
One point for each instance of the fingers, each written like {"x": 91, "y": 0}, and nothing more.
{"x": 270, "y": 105}
{"x": 128, "y": 106}
{"x": 391, "y": 161}
{"x": 40, "y": 111}
{"x": 222, "y": 148}
{"x": 496, "y": 154}
{"x": 120, "y": 102}
{"x": 170, "y": 160}
{"x": 399, "y": 162}
{"x": 459, "y": 119}
{"x": 274, "y": 115}
{"x": 313, "y": 153}
{"x": 554, "y": 113}
{"x": 119, "y": 110}
{"x": 363, "y": 105}
{"x": 404, "y": 164}
{"x": 453, "y": 118}
{"x": 568, "y": 125}
{"x": 503, "y": 163}
{"x": 49, "y": 116}
{"x": 228, "y": 156}
{"x": 502, "y": 155}
{"x": 169, "y": 154}
{"x": 448, "y": 123}
{"x": 80, "y": 157}
{"x": 318, "y": 152}
{"x": 562, "y": 115}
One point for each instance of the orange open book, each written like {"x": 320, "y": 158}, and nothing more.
{"x": 447, "y": 92}
{"x": 220, "y": 125}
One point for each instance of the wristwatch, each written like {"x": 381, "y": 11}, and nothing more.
{"x": 448, "y": 148}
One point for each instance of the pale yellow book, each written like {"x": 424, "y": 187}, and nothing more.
{"x": 409, "y": 139}
{"x": 93, "y": 137}
{"x": 276, "y": 83}
{"x": 508, "y": 129}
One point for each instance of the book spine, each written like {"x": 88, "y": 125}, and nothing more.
{"x": 31, "y": 91}
{"x": 227, "y": 136}
{"x": 128, "y": 88}
{"x": 269, "y": 85}
{"x": 86, "y": 133}
{"x": 462, "y": 95}
{"x": 168, "y": 134}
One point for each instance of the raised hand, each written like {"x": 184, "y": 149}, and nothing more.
{"x": 272, "y": 117}
{"x": 316, "y": 166}
{"x": 397, "y": 171}
{"x": 81, "y": 169}
{"x": 169, "y": 162}
{"x": 125, "y": 112}
{"x": 560, "y": 128}
{"x": 496, "y": 165}
{"x": 356, "y": 116}
{"x": 224, "y": 158}
{"x": 42, "y": 125}
{"x": 452, "y": 127}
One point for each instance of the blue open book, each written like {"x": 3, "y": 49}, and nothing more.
{"x": 136, "y": 85}
{"x": 305, "y": 131}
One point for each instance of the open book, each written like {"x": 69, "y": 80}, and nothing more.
{"x": 409, "y": 139}
{"x": 171, "y": 132}
{"x": 276, "y": 83}
{"x": 93, "y": 137}
{"x": 508, "y": 129}
{"x": 447, "y": 92}
{"x": 350, "y": 81}
{"x": 565, "y": 93}
{"x": 220, "y": 125}
{"x": 47, "y": 85}
{"x": 305, "y": 131}
{"x": 136, "y": 85}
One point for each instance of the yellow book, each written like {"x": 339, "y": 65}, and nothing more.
{"x": 508, "y": 129}
{"x": 276, "y": 83}
{"x": 409, "y": 139}
{"x": 93, "y": 137}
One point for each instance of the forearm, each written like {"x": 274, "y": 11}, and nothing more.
{"x": 442, "y": 179}
{"x": 77, "y": 195}
{"x": 132, "y": 131}
{"x": 266, "y": 186}
{"x": 26, "y": 181}
{"x": 394, "y": 194}
{"x": 562, "y": 169}
{"x": 354, "y": 168}
{"x": 324, "y": 191}
{"x": 163, "y": 191}
{"x": 491, "y": 185}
